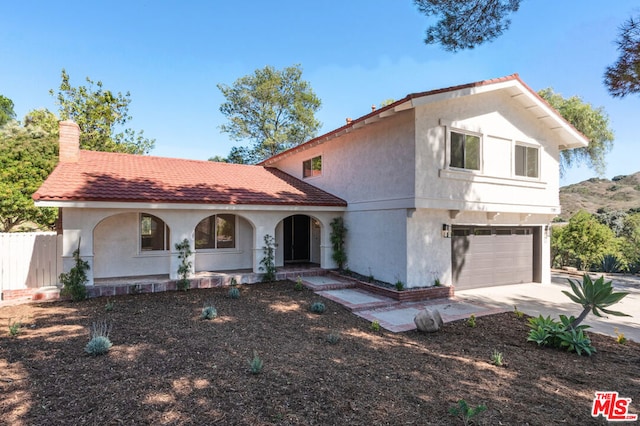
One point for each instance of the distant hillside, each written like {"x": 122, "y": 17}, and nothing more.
{"x": 620, "y": 193}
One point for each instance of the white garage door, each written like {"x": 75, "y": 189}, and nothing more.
{"x": 488, "y": 256}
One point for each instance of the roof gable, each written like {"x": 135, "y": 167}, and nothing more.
{"x": 114, "y": 177}
{"x": 531, "y": 102}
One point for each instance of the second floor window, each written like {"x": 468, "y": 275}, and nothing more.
{"x": 526, "y": 161}
{"x": 465, "y": 151}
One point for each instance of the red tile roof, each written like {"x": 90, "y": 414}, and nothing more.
{"x": 102, "y": 176}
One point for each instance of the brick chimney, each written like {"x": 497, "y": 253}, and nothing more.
{"x": 69, "y": 142}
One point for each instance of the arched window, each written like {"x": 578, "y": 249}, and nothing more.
{"x": 216, "y": 232}
{"x": 154, "y": 233}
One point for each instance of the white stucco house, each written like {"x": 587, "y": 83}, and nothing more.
{"x": 457, "y": 184}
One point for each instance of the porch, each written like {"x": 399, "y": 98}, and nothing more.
{"x": 204, "y": 279}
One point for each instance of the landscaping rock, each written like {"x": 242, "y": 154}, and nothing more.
{"x": 428, "y": 320}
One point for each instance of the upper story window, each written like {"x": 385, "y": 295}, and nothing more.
{"x": 154, "y": 233}
{"x": 465, "y": 151}
{"x": 526, "y": 161}
{"x": 216, "y": 232}
{"x": 312, "y": 167}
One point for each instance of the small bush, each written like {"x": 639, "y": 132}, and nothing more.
{"x": 109, "y": 305}
{"x": 255, "y": 364}
{"x": 471, "y": 322}
{"x": 99, "y": 343}
{"x": 465, "y": 412}
{"x": 496, "y": 358}
{"x": 208, "y": 312}
{"x": 375, "y": 325}
{"x": 234, "y": 293}
{"x": 14, "y": 328}
{"x": 333, "y": 337}
{"x": 620, "y": 336}
{"x": 399, "y": 285}
{"x": 436, "y": 282}
{"x": 318, "y": 308}
{"x": 518, "y": 314}
{"x": 74, "y": 282}
{"x": 298, "y": 285}
{"x": 548, "y": 332}
{"x": 610, "y": 264}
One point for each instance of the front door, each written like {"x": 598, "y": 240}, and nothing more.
{"x": 297, "y": 238}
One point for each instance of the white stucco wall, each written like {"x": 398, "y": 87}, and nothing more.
{"x": 377, "y": 243}
{"x": 116, "y": 249}
{"x": 501, "y": 122}
{"x": 372, "y": 164}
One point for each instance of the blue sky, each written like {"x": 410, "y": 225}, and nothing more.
{"x": 170, "y": 55}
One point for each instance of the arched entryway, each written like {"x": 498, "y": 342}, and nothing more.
{"x": 301, "y": 239}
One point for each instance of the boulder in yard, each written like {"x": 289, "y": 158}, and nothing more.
{"x": 428, "y": 320}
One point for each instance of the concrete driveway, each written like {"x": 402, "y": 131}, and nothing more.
{"x": 548, "y": 299}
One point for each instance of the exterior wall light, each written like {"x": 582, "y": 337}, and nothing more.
{"x": 446, "y": 231}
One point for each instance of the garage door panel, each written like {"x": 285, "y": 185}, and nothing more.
{"x": 487, "y": 260}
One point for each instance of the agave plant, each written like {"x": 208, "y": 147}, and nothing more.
{"x": 594, "y": 296}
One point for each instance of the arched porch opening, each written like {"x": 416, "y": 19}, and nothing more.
{"x": 299, "y": 239}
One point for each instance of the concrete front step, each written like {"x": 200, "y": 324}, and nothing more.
{"x": 325, "y": 282}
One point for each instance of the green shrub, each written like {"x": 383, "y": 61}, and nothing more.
{"x": 74, "y": 282}
{"x": 333, "y": 337}
{"x": 496, "y": 358}
{"x": 375, "y": 325}
{"x": 255, "y": 364}
{"x": 184, "y": 269}
{"x": 14, "y": 328}
{"x": 471, "y": 322}
{"x": 208, "y": 312}
{"x": 548, "y": 332}
{"x": 99, "y": 343}
{"x": 298, "y": 285}
{"x": 465, "y": 412}
{"x": 399, "y": 285}
{"x": 318, "y": 308}
{"x": 234, "y": 293}
{"x": 109, "y": 305}
{"x": 610, "y": 263}
{"x": 268, "y": 261}
{"x": 517, "y": 313}
{"x": 338, "y": 235}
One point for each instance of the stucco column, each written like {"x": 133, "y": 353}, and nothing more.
{"x": 326, "y": 250}
{"x": 545, "y": 256}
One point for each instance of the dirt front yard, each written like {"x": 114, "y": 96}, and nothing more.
{"x": 167, "y": 366}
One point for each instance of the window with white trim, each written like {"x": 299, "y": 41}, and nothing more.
{"x": 526, "y": 161}
{"x": 216, "y": 232}
{"x": 154, "y": 233}
{"x": 312, "y": 167}
{"x": 465, "y": 150}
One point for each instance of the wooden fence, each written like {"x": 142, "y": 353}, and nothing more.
{"x": 29, "y": 261}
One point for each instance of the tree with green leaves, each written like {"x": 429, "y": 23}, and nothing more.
{"x": 623, "y": 77}
{"x": 44, "y": 119}
{"x": 6, "y": 110}
{"x": 468, "y": 23}
{"x": 582, "y": 243}
{"x": 590, "y": 121}
{"x": 272, "y": 109}
{"x": 101, "y": 115}
{"x": 27, "y": 156}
